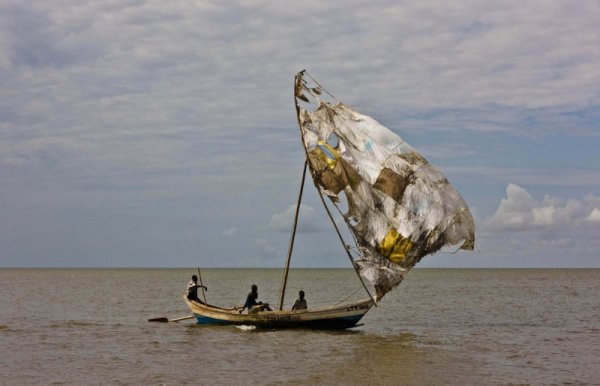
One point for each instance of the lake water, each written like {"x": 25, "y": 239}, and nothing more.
{"x": 439, "y": 327}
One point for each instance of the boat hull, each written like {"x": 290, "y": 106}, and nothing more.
{"x": 336, "y": 317}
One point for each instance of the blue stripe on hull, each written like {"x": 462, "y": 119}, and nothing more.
{"x": 333, "y": 323}
{"x": 200, "y": 319}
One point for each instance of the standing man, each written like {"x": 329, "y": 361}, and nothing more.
{"x": 192, "y": 289}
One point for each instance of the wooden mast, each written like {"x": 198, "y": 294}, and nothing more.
{"x": 292, "y": 237}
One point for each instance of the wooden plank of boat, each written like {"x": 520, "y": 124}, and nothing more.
{"x": 335, "y": 317}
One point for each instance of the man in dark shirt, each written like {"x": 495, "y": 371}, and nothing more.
{"x": 300, "y": 303}
{"x": 251, "y": 301}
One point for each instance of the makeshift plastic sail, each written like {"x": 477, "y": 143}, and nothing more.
{"x": 398, "y": 207}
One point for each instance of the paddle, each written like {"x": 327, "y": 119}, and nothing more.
{"x": 160, "y": 320}
{"x": 182, "y": 318}
{"x": 166, "y": 320}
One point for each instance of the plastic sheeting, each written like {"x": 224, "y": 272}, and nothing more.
{"x": 400, "y": 208}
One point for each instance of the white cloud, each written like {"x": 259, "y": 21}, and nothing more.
{"x": 308, "y": 222}
{"x": 266, "y": 247}
{"x": 230, "y": 232}
{"x": 515, "y": 211}
{"x": 594, "y": 216}
{"x": 551, "y": 232}
{"x": 519, "y": 211}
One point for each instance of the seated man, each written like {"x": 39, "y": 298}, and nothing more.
{"x": 300, "y": 303}
{"x": 192, "y": 289}
{"x": 251, "y": 304}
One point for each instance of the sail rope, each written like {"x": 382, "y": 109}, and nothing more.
{"x": 344, "y": 244}
{"x": 321, "y": 88}
{"x": 344, "y": 216}
{"x": 318, "y": 304}
{"x": 349, "y": 296}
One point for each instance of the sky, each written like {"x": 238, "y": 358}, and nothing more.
{"x": 163, "y": 134}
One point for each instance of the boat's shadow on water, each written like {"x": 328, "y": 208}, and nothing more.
{"x": 403, "y": 338}
{"x": 243, "y": 328}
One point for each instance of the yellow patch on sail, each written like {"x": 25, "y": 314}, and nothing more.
{"x": 329, "y": 154}
{"x": 394, "y": 246}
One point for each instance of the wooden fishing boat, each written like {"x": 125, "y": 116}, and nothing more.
{"x": 398, "y": 208}
{"x": 334, "y": 317}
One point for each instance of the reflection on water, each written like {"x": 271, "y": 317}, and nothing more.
{"x": 439, "y": 327}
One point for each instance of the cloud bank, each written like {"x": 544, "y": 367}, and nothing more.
{"x": 519, "y": 211}
{"x": 135, "y": 130}
{"x": 550, "y": 232}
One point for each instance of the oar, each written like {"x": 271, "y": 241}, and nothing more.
{"x": 166, "y": 320}
{"x": 182, "y": 318}
{"x": 160, "y": 320}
